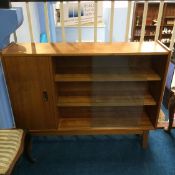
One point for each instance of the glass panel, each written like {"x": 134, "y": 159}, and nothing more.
{"x": 101, "y": 91}
{"x": 119, "y": 91}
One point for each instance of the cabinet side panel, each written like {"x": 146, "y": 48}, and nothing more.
{"x": 160, "y": 65}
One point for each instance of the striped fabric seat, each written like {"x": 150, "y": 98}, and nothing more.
{"x": 10, "y": 144}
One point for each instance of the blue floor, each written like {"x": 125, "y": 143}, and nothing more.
{"x": 101, "y": 155}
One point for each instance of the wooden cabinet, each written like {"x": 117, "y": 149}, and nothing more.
{"x": 167, "y": 22}
{"x": 150, "y": 27}
{"x": 86, "y": 88}
{"x": 29, "y": 82}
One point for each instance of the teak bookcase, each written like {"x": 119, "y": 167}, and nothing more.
{"x": 86, "y": 88}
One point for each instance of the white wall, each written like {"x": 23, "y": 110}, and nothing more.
{"x": 120, "y": 19}
{"x": 23, "y": 31}
{"x": 120, "y": 15}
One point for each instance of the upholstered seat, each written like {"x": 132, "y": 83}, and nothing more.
{"x": 11, "y": 147}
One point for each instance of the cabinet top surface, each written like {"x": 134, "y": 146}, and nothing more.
{"x": 58, "y": 49}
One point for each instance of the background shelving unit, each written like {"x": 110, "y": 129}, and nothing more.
{"x": 167, "y": 23}
{"x": 150, "y": 27}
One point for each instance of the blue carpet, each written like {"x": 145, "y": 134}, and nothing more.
{"x": 101, "y": 155}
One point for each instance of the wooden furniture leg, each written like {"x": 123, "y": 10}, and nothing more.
{"x": 145, "y": 139}
{"x": 28, "y": 148}
{"x": 171, "y": 109}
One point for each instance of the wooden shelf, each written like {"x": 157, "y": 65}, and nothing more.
{"x": 153, "y": 35}
{"x": 146, "y": 26}
{"x": 137, "y": 75}
{"x": 172, "y": 17}
{"x": 167, "y": 44}
{"x": 167, "y": 25}
{"x": 125, "y": 122}
{"x": 166, "y": 33}
{"x": 132, "y": 100}
{"x": 145, "y": 35}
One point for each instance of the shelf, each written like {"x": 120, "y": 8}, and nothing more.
{"x": 172, "y": 17}
{"x": 145, "y": 35}
{"x": 167, "y": 44}
{"x": 167, "y": 25}
{"x": 127, "y": 121}
{"x": 136, "y": 75}
{"x": 151, "y": 35}
{"x": 85, "y": 101}
{"x": 146, "y": 26}
{"x": 166, "y": 33}
{"x": 101, "y": 88}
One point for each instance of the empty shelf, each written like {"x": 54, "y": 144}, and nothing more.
{"x": 143, "y": 122}
{"x": 127, "y": 76}
{"x": 131, "y": 100}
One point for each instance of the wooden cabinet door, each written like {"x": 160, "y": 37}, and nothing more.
{"x": 29, "y": 81}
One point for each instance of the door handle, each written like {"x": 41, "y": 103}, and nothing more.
{"x": 45, "y": 96}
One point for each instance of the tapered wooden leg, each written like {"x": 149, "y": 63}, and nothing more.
{"x": 170, "y": 124}
{"x": 145, "y": 139}
{"x": 28, "y": 148}
{"x": 171, "y": 110}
